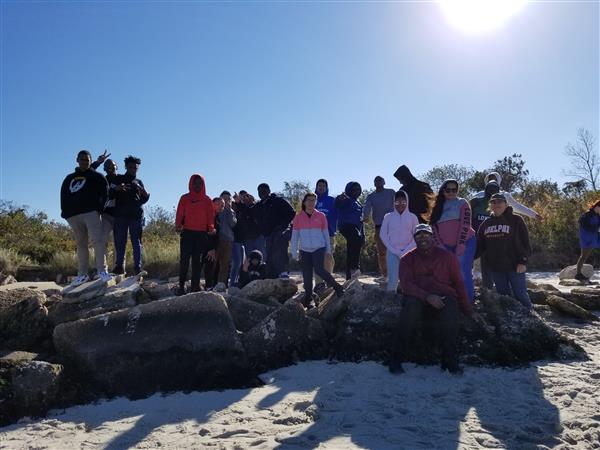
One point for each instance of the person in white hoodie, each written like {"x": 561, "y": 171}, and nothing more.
{"x": 517, "y": 207}
{"x": 397, "y": 235}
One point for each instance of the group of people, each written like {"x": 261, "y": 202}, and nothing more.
{"x": 426, "y": 243}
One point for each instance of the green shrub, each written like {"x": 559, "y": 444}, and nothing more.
{"x": 10, "y": 261}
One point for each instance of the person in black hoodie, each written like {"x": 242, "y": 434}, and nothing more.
{"x": 130, "y": 196}
{"x": 252, "y": 269}
{"x": 83, "y": 195}
{"x": 420, "y": 194}
{"x": 503, "y": 241}
{"x": 274, "y": 215}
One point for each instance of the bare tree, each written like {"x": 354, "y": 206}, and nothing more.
{"x": 585, "y": 162}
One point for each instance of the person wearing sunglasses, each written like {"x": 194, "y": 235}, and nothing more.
{"x": 452, "y": 230}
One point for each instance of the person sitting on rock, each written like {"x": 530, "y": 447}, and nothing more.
{"x": 589, "y": 236}
{"x": 503, "y": 241}
{"x": 433, "y": 289}
{"x": 252, "y": 269}
{"x": 310, "y": 244}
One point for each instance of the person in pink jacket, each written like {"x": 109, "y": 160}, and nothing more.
{"x": 310, "y": 243}
{"x": 452, "y": 230}
{"x": 396, "y": 233}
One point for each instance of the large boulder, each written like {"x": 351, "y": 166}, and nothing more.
{"x": 568, "y": 308}
{"x": 280, "y": 288}
{"x": 247, "y": 313}
{"x": 187, "y": 342}
{"x": 28, "y": 387}
{"x": 158, "y": 290}
{"x": 587, "y": 298}
{"x": 24, "y": 321}
{"x": 283, "y": 337}
{"x": 568, "y": 273}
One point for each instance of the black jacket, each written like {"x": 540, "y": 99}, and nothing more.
{"x": 247, "y": 223}
{"x": 111, "y": 201}
{"x": 275, "y": 213}
{"x": 420, "y": 194}
{"x": 503, "y": 241}
{"x": 129, "y": 203}
{"x": 82, "y": 192}
{"x": 258, "y": 272}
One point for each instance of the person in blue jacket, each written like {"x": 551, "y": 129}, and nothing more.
{"x": 326, "y": 204}
{"x": 349, "y": 215}
{"x": 589, "y": 236}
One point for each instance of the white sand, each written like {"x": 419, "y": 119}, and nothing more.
{"x": 344, "y": 405}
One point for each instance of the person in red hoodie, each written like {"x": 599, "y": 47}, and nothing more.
{"x": 433, "y": 287}
{"x": 195, "y": 220}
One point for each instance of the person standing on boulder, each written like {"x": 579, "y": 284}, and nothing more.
{"x": 480, "y": 208}
{"x": 326, "y": 204}
{"x": 433, "y": 289}
{"x": 130, "y": 196}
{"x": 589, "y": 236}
{"x": 350, "y": 213}
{"x": 195, "y": 220}
{"x": 379, "y": 203}
{"x": 83, "y": 195}
{"x": 227, "y": 222}
{"x": 451, "y": 224}
{"x": 503, "y": 240}
{"x": 420, "y": 194}
{"x": 274, "y": 216}
{"x": 397, "y": 235}
{"x": 310, "y": 244}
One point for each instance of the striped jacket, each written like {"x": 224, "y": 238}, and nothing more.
{"x": 310, "y": 233}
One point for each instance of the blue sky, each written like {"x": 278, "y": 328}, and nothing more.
{"x": 250, "y": 92}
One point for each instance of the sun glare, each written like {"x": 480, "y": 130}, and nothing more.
{"x": 480, "y": 16}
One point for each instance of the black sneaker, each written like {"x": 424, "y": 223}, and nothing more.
{"x": 395, "y": 367}
{"x": 339, "y": 290}
{"x": 119, "y": 270}
{"x": 581, "y": 277}
{"x": 320, "y": 288}
{"x": 180, "y": 292}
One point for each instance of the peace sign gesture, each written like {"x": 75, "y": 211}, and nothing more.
{"x": 103, "y": 157}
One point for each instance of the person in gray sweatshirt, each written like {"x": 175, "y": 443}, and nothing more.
{"x": 227, "y": 221}
{"x": 378, "y": 204}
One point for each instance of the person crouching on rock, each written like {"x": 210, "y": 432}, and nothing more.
{"x": 503, "y": 241}
{"x": 195, "y": 220}
{"x": 589, "y": 236}
{"x": 397, "y": 235}
{"x": 310, "y": 244}
{"x": 252, "y": 269}
{"x": 433, "y": 289}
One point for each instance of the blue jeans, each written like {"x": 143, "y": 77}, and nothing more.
{"x": 466, "y": 265}
{"x": 513, "y": 284}
{"x": 393, "y": 270}
{"x": 124, "y": 225}
{"x": 237, "y": 258}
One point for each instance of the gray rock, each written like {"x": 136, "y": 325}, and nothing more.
{"x": 185, "y": 342}
{"x": 541, "y": 286}
{"x": 280, "y": 289}
{"x": 247, "y": 313}
{"x": 588, "y": 298}
{"x": 570, "y": 309}
{"x": 568, "y": 282}
{"x": 568, "y": 273}
{"x": 86, "y": 291}
{"x": 7, "y": 279}
{"x": 24, "y": 321}
{"x": 283, "y": 337}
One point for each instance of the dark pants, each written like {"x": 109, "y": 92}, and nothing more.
{"x": 314, "y": 262}
{"x": 277, "y": 251}
{"x": 134, "y": 227}
{"x": 354, "y": 242}
{"x": 512, "y": 284}
{"x": 487, "y": 280}
{"x": 192, "y": 245}
{"x": 413, "y": 312}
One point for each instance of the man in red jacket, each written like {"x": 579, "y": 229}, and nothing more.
{"x": 195, "y": 220}
{"x": 433, "y": 288}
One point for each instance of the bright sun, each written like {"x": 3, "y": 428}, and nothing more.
{"x": 480, "y": 16}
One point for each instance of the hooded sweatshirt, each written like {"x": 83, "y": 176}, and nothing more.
{"x": 326, "y": 204}
{"x": 420, "y": 193}
{"x": 517, "y": 207}
{"x": 349, "y": 208}
{"x": 273, "y": 213}
{"x": 503, "y": 241}
{"x": 311, "y": 232}
{"x": 82, "y": 192}
{"x": 453, "y": 228}
{"x": 195, "y": 210}
{"x": 397, "y": 231}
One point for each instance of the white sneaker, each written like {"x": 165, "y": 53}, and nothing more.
{"x": 220, "y": 287}
{"x": 78, "y": 281}
{"x": 284, "y": 275}
{"x": 105, "y": 276}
